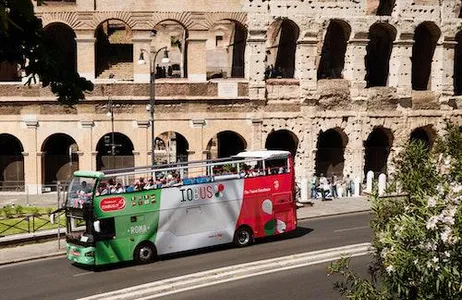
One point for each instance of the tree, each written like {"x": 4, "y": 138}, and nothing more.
{"x": 417, "y": 247}
{"x": 23, "y": 42}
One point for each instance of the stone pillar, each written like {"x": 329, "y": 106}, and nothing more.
{"x": 86, "y": 146}
{"x": 257, "y": 135}
{"x": 32, "y": 159}
{"x": 141, "y": 40}
{"x": 197, "y": 62}
{"x": 305, "y": 67}
{"x": 86, "y": 60}
{"x": 256, "y": 55}
{"x": 400, "y": 75}
{"x": 443, "y": 71}
{"x": 143, "y": 143}
{"x": 355, "y": 67}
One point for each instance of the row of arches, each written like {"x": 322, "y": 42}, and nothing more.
{"x": 226, "y": 45}
{"x": 60, "y": 152}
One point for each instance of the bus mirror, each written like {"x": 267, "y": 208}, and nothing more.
{"x": 97, "y": 227}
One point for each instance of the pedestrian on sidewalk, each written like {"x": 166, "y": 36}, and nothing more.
{"x": 313, "y": 186}
{"x": 334, "y": 183}
{"x": 348, "y": 186}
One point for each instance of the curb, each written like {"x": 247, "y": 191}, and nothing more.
{"x": 221, "y": 275}
{"x": 335, "y": 214}
{"x": 25, "y": 259}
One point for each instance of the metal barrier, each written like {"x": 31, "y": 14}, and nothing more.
{"x": 32, "y": 223}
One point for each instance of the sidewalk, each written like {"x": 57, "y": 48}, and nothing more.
{"x": 35, "y": 250}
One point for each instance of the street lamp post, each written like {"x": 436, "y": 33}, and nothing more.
{"x": 152, "y": 86}
{"x": 111, "y": 114}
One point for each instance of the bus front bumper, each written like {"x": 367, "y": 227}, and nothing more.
{"x": 81, "y": 255}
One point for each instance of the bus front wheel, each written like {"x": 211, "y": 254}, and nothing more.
{"x": 243, "y": 236}
{"x": 145, "y": 253}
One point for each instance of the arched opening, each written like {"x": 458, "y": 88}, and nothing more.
{"x": 385, "y": 7}
{"x": 282, "y": 36}
{"x": 333, "y": 50}
{"x": 171, "y": 147}
{"x": 61, "y": 40}
{"x": 330, "y": 152}
{"x": 458, "y": 65}
{"x": 282, "y": 140}
{"x": 425, "y": 37}
{"x": 121, "y": 157}
{"x": 225, "y": 50}
{"x": 423, "y": 134}
{"x": 9, "y": 72}
{"x": 377, "y": 149}
{"x": 114, "y": 50}
{"x": 11, "y": 163}
{"x": 381, "y": 37}
{"x": 224, "y": 144}
{"x": 60, "y": 160}
{"x": 173, "y": 35}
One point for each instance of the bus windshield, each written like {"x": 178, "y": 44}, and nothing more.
{"x": 80, "y": 192}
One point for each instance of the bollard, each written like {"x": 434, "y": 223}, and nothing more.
{"x": 369, "y": 181}
{"x": 304, "y": 190}
{"x": 357, "y": 183}
{"x": 382, "y": 184}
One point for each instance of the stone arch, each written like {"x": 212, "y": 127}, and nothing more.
{"x": 379, "y": 47}
{"x": 60, "y": 159}
{"x": 172, "y": 34}
{"x": 11, "y": 163}
{"x": 114, "y": 50}
{"x": 61, "y": 38}
{"x": 282, "y": 37}
{"x": 171, "y": 146}
{"x": 282, "y": 140}
{"x": 226, "y": 49}
{"x": 426, "y": 134}
{"x": 333, "y": 50}
{"x": 425, "y": 37}
{"x": 458, "y": 65}
{"x": 330, "y": 152}
{"x": 121, "y": 157}
{"x": 377, "y": 149}
{"x": 225, "y": 143}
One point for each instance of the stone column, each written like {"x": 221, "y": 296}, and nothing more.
{"x": 443, "y": 71}
{"x": 400, "y": 75}
{"x": 256, "y": 55}
{"x": 32, "y": 161}
{"x": 86, "y": 61}
{"x": 143, "y": 143}
{"x": 197, "y": 62}
{"x": 305, "y": 67}
{"x": 355, "y": 67}
{"x": 86, "y": 146}
{"x": 257, "y": 135}
{"x": 141, "y": 40}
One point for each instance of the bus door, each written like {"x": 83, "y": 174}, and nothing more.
{"x": 283, "y": 212}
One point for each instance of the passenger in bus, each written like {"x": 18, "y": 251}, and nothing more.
{"x": 150, "y": 184}
{"x": 119, "y": 188}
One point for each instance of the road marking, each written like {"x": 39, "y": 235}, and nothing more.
{"x": 82, "y": 274}
{"x": 174, "y": 285}
{"x": 351, "y": 228}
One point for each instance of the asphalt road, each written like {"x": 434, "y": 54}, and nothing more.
{"x": 305, "y": 283}
{"x": 57, "y": 279}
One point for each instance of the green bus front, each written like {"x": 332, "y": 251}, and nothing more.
{"x": 81, "y": 235}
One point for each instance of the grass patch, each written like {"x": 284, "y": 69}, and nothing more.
{"x": 18, "y": 219}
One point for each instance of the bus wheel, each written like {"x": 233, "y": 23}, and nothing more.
{"x": 145, "y": 253}
{"x": 243, "y": 237}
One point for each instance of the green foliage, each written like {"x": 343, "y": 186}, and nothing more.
{"x": 35, "y": 211}
{"x": 23, "y": 41}
{"x": 19, "y": 210}
{"x": 7, "y": 211}
{"x": 417, "y": 236}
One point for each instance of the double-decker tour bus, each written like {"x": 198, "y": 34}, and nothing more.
{"x": 139, "y": 213}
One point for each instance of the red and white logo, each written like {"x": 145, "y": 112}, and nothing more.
{"x": 276, "y": 184}
{"x": 112, "y": 204}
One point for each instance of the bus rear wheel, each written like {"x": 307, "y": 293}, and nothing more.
{"x": 243, "y": 237}
{"x": 145, "y": 253}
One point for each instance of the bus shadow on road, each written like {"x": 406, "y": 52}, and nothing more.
{"x": 297, "y": 233}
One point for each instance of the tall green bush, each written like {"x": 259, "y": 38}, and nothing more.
{"x": 417, "y": 248}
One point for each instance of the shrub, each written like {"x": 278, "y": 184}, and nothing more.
{"x": 417, "y": 237}
{"x": 19, "y": 210}
{"x": 7, "y": 211}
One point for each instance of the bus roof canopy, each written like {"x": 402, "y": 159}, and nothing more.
{"x": 265, "y": 154}
{"x": 92, "y": 174}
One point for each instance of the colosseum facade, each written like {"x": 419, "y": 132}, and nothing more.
{"x": 341, "y": 84}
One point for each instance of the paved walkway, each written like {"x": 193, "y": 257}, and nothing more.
{"x": 13, "y": 254}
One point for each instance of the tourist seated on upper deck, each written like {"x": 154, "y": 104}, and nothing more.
{"x": 150, "y": 184}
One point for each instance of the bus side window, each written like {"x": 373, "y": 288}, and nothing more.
{"x": 107, "y": 230}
